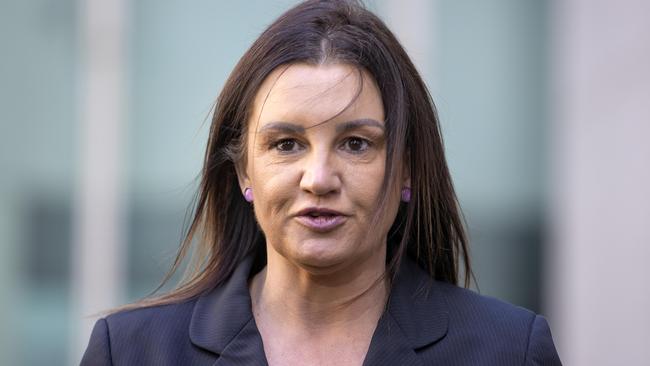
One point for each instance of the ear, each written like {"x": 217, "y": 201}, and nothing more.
{"x": 406, "y": 171}
{"x": 406, "y": 183}
{"x": 242, "y": 176}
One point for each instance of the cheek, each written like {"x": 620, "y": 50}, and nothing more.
{"x": 365, "y": 190}
{"x": 273, "y": 191}
{"x": 271, "y": 197}
{"x": 366, "y": 178}
{"x": 363, "y": 185}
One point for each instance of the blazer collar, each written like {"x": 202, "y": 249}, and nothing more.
{"x": 416, "y": 316}
{"x": 418, "y": 305}
{"x": 223, "y": 323}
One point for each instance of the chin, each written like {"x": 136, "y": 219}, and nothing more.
{"x": 321, "y": 255}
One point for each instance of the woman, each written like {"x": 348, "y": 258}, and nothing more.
{"x": 327, "y": 226}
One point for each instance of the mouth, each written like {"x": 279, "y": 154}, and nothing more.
{"x": 320, "y": 219}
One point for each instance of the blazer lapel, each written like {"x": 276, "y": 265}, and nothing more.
{"x": 223, "y": 323}
{"x": 390, "y": 346}
{"x": 246, "y": 348}
{"x": 416, "y": 317}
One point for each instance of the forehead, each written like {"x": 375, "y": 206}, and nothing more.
{"x": 310, "y": 94}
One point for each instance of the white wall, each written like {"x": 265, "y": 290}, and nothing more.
{"x": 599, "y": 267}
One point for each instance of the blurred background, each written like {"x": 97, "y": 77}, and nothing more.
{"x": 545, "y": 110}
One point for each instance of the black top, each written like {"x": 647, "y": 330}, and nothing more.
{"x": 426, "y": 323}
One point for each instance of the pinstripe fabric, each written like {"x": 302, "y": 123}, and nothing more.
{"x": 426, "y": 323}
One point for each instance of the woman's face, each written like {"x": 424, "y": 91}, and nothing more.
{"x": 316, "y": 164}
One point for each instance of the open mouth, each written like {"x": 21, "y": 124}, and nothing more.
{"x": 321, "y": 220}
{"x": 320, "y": 214}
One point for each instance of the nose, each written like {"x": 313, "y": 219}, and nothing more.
{"x": 320, "y": 174}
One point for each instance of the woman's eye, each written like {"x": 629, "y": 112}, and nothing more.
{"x": 287, "y": 145}
{"x": 356, "y": 144}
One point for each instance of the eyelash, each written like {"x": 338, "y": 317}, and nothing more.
{"x": 276, "y": 145}
{"x": 366, "y": 144}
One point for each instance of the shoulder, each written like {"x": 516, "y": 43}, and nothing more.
{"x": 502, "y": 332}
{"x": 186, "y": 333}
{"x": 471, "y": 306}
{"x": 459, "y": 326}
{"x": 461, "y": 306}
{"x": 141, "y": 335}
{"x": 478, "y": 315}
{"x": 148, "y": 320}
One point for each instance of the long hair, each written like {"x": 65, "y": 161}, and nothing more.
{"x": 223, "y": 227}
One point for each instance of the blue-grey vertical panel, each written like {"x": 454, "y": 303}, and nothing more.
{"x": 491, "y": 71}
{"x": 37, "y": 160}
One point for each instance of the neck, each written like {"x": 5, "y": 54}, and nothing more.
{"x": 303, "y": 299}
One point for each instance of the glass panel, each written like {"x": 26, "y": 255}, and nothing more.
{"x": 37, "y": 160}
{"x": 490, "y": 94}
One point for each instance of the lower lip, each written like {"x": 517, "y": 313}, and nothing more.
{"x": 321, "y": 223}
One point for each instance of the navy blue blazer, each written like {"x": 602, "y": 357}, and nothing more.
{"x": 425, "y": 323}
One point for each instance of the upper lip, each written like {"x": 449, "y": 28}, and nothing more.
{"x": 319, "y": 211}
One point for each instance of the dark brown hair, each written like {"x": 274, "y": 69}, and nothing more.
{"x": 223, "y": 227}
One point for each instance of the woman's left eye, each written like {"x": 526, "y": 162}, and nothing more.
{"x": 356, "y": 144}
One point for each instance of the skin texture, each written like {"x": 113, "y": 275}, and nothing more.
{"x": 316, "y": 139}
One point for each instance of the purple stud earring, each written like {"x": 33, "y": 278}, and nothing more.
{"x": 248, "y": 194}
{"x": 406, "y": 194}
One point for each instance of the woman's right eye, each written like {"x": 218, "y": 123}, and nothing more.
{"x": 287, "y": 145}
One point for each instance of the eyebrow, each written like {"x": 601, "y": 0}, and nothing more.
{"x": 282, "y": 127}
{"x": 351, "y": 125}
{"x": 288, "y": 127}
